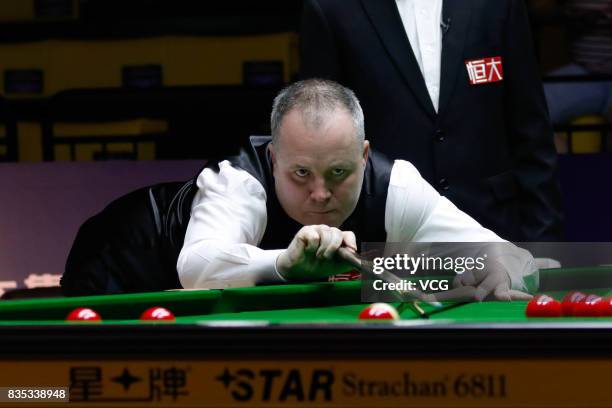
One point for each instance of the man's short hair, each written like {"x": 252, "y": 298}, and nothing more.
{"x": 315, "y": 98}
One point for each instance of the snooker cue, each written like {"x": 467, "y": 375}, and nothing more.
{"x": 365, "y": 266}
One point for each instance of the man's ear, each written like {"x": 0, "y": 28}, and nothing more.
{"x": 366, "y": 151}
{"x": 272, "y": 154}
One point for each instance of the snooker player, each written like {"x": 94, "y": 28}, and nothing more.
{"x": 280, "y": 210}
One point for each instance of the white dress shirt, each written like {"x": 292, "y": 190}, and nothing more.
{"x": 422, "y": 19}
{"x": 229, "y": 217}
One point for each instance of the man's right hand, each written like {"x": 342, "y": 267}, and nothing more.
{"x": 311, "y": 255}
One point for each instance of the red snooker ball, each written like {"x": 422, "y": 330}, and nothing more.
{"x": 379, "y": 311}
{"x": 570, "y": 301}
{"x": 605, "y": 306}
{"x": 83, "y": 314}
{"x": 157, "y": 313}
{"x": 543, "y": 306}
{"x": 589, "y": 307}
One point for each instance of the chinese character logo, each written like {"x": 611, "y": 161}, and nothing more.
{"x": 485, "y": 70}
{"x": 85, "y": 383}
{"x": 88, "y": 383}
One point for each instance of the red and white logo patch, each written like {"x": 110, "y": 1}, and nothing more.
{"x": 485, "y": 70}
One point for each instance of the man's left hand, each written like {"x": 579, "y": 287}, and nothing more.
{"x": 491, "y": 283}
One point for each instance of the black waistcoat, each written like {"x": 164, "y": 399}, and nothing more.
{"x": 367, "y": 221}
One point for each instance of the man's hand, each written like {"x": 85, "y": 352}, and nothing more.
{"x": 491, "y": 283}
{"x": 311, "y": 255}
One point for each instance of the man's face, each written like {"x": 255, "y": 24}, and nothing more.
{"x": 318, "y": 170}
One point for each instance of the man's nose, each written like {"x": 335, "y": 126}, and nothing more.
{"x": 319, "y": 191}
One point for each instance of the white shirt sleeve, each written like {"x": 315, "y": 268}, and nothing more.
{"x": 228, "y": 220}
{"x": 416, "y": 212}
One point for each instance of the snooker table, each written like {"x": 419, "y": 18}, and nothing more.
{"x": 303, "y": 345}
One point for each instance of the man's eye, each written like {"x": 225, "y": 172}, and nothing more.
{"x": 301, "y": 172}
{"x": 338, "y": 172}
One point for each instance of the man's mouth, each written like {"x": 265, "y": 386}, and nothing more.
{"x": 322, "y": 212}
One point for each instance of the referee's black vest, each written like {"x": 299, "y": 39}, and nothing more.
{"x": 367, "y": 221}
